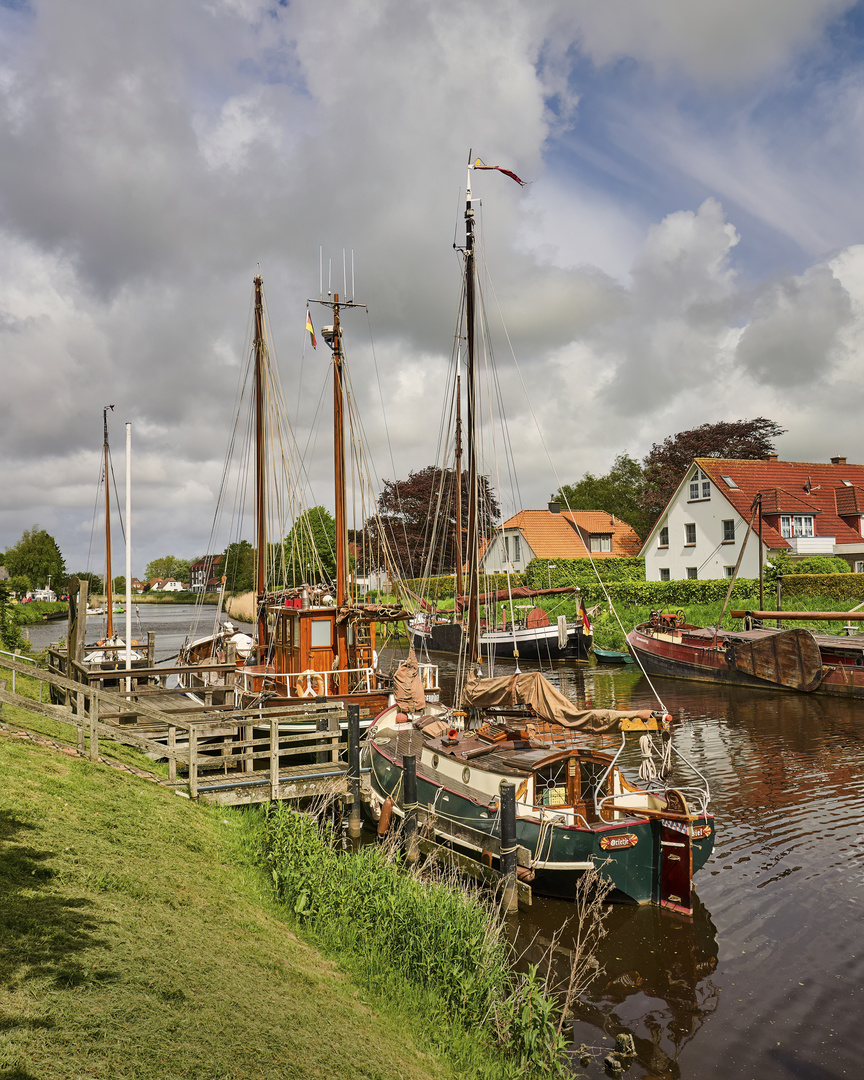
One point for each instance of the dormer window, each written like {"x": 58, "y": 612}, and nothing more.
{"x": 600, "y": 542}
{"x": 700, "y": 486}
{"x": 792, "y": 525}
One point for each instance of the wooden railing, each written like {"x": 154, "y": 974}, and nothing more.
{"x": 194, "y": 739}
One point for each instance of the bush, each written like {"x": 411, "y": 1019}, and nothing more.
{"x": 822, "y": 564}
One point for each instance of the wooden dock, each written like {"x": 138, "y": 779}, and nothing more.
{"x": 215, "y": 753}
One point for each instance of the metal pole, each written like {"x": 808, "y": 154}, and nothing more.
{"x": 510, "y": 897}
{"x": 128, "y": 554}
{"x": 409, "y": 806}
{"x": 355, "y": 822}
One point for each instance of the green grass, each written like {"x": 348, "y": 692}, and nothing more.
{"x": 138, "y": 939}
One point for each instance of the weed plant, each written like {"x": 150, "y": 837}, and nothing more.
{"x": 402, "y": 930}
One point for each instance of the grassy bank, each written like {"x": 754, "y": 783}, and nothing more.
{"x": 140, "y": 936}
{"x": 138, "y": 939}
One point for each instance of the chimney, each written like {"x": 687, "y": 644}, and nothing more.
{"x": 554, "y": 505}
{"x": 772, "y": 457}
{"x": 838, "y": 460}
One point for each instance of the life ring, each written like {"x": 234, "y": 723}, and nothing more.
{"x": 314, "y": 684}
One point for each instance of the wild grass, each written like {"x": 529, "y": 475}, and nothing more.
{"x": 401, "y": 930}
{"x": 139, "y": 940}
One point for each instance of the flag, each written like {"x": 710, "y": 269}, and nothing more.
{"x": 311, "y": 329}
{"x": 583, "y": 615}
{"x": 478, "y": 164}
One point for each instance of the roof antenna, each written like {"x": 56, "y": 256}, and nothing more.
{"x": 329, "y": 277}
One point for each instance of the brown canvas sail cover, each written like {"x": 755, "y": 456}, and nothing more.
{"x": 531, "y": 688}
{"x": 408, "y": 686}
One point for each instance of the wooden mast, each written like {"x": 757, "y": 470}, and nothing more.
{"x": 472, "y": 545}
{"x": 109, "y": 595}
{"x": 339, "y": 481}
{"x": 260, "y": 487}
{"x": 458, "y": 486}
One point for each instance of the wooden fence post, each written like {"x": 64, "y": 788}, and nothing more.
{"x": 172, "y": 754}
{"x": 355, "y": 821}
{"x": 248, "y": 751}
{"x": 193, "y": 762}
{"x": 94, "y": 734}
{"x": 274, "y": 760}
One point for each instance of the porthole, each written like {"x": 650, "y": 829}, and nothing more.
{"x": 466, "y": 775}
{"x": 434, "y": 761}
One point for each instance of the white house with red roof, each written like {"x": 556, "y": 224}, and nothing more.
{"x": 806, "y": 509}
{"x": 557, "y": 534}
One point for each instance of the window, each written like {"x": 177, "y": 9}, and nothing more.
{"x": 730, "y": 570}
{"x": 859, "y": 567}
{"x": 691, "y": 571}
{"x": 517, "y": 549}
{"x": 600, "y": 543}
{"x": 730, "y": 483}
{"x": 664, "y": 573}
{"x": 506, "y": 549}
{"x": 690, "y": 533}
{"x": 729, "y": 532}
{"x": 796, "y": 525}
{"x": 663, "y": 538}
{"x": 700, "y": 486}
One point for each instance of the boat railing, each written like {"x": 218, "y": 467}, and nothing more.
{"x": 699, "y": 796}
{"x": 311, "y": 683}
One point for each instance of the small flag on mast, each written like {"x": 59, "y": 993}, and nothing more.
{"x": 311, "y": 329}
{"x": 478, "y": 164}
{"x": 584, "y": 616}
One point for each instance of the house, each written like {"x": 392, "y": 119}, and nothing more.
{"x": 166, "y": 585}
{"x": 807, "y": 509}
{"x": 557, "y": 534}
{"x": 138, "y": 586}
{"x": 206, "y": 574}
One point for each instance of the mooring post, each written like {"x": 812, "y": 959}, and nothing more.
{"x": 510, "y": 895}
{"x": 193, "y": 762}
{"x": 355, "y": 821}
{"x": 151, "y": 648}
{"x": 409, "y": 806}
{"x": 322, "y": 724}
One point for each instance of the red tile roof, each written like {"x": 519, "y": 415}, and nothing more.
{"x": 828, "y": 492}
{"x": 560, "y": 536}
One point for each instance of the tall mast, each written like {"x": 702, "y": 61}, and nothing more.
{"x": 260, "y": 489}
{"x": 458, "y": 485}
{"x": 339, "y": 475}
{"x": 109, "y": 597}
{"x": 472, "y": 655}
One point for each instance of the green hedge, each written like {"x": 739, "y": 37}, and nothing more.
{"x": 836, "y": 586}
{"x": 437, "y": 588}
{"x": 541, "y": 573}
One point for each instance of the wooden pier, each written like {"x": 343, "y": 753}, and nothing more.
{"x": 215, "y": 753}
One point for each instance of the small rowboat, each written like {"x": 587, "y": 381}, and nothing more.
{"x": 610, "y": 656}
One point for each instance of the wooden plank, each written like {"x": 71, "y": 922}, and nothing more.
{"x": 477, "y": 870}
{"x": 464, "y": 834}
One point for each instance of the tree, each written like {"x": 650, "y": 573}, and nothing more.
{"x": 169, "y": 566}
{"x": 118, "y": 585}
{"x": 310, "y": 548}
{"x": 37, "y": 557}
{"x": 618, "y": 492}
{"x": 238, "y": 566}
{"x": 416, "y": 521}
{"x": 95, "y": 582}
{"x": 665, "y": 463}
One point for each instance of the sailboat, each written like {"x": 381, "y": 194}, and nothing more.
{"x": 576, "y": 810}
{"x": 111, "y": 651}
{"x": 314, "y": 641}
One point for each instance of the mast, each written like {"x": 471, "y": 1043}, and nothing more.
{"x": 260, "y": 489}
{"x": 109, "y": 598}
{"x": 473, "y": 538}
{"x": 339, "y": 479}
{"x": 458, "y": 485}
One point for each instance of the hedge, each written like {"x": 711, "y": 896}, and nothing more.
{"x": 840, "y": 587}
{"x": 541, "y": 573}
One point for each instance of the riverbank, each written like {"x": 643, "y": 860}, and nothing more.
{"x": 171, "y": 961}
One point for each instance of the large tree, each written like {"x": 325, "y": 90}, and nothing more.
{"x": 238, "y": 566}
{"x": 37, "y": 557}
{"x": 168, "y": 566}
{"x": 619, "y": 492}
{"x": 310, "y": 549}
{"x": 665, "y": 462}
{"x": 416, "y": 521}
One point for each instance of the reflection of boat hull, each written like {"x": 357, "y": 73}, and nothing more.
{"x": 531, "y": 643}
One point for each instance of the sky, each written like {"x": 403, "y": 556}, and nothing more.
{"x": 690, "y": 247}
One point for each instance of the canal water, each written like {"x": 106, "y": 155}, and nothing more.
{"x": 766, "y": 981}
